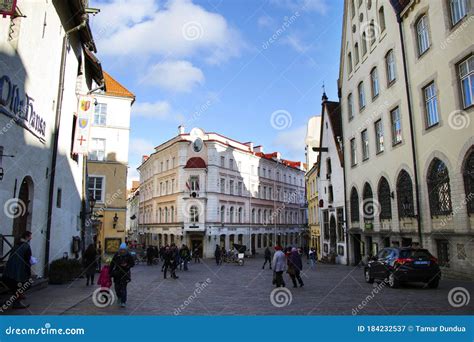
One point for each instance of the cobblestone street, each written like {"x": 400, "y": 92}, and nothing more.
{"x": 234, "y": 290}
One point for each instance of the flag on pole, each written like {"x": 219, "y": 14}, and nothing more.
{"x": 83, "y": 125}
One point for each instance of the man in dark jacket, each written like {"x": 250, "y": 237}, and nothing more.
{"x": 17, "y": 273}
{"x": 184, "y": 254}
{"x": 120, "y": 267}
{"x": 268, "y": 258}
{"x": 217, "y": 255}
{"x": 295, "y": 266}
{"x": 150, "y": 254}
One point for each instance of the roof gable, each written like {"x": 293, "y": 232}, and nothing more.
{"x": 114, "y": 88}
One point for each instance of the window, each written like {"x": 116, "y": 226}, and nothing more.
{"x": 59, "y": 198}
{"x": 222, "y": 161}
{"x": 253, "y": 216}
{"x": 194, "y": 214}
{"x": 326, "y": 224}
{"x": 354, "y": 205}
{"x": 361, "y": 91}
{"x": 422, "y": 34}
{"x": 96, "y": 188}
{"x": 352, "y": 8}
{"x": 466, "y": 76}
{"x": 391, "y": 67}
{"x": 374, "y": 77}
{"x": 231, "y": 215}
{"x": 458, "y": 10}
{"x": 328, "y": 166}
{"x": 100, "y": 114}
{"x": 97, "y": 149}
{"x": 372, "y": 32}
{"x": 340, "y": 220}
{"x": 166, "y": 215}
{"x": 231, "y": 164}
{"x": 222, "y": 185}
{"x": 172, "y": 214}
{"x": 443, "y": 252}
{"x": 468, "y": 175}
{"x": 438, "y": 188}
{"x": 222, "y": 214}
{"x": 330, "y": 194}
{"x": 379, "y": 136}
{"x": 381, "y": 19}
{"x": 431, "y": 105}
{"x": 349, "y": 63}
{"x": 239, "y": 215}
{"x": 353, "y": 152}
{"x": 367, "y": 203}
{"x": 365, "y": 144}
{"x": 231, "y": 187}
{"x": 396, "y": 126}
{"x": 384, "y": 199}
{"x": 239, "y": 188}
{"x": 194, "y": 183}
{"x": 350, "y": 107}
{"x": 356, "y": 53}
{"x": 364, "y": 43}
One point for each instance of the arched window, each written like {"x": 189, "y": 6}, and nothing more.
{"x": 222, "y": 214}
{"x": 253, "y": 215}
{"x": 239, "y": 215}
{"x": 231, "y": 214}
{"x": 374, "y": 81}
{"x": 349, "y": 63}
{"x": 368, "y": 203}
{"x": 381, "y": 19}
{"x": 259, "y": 216}
{"x": 468, "y": 175}
{"x": 391, "y": 67}
{"x": 354, "y": 205}
{"x": 265, "y": 217}
{"x": 438, "y": 188}
{"x": 172, "y": 214}
{"x": 405, "y": 195}
{"x": 356, "y": 53}
{"x": 384, "y": 199}
{"x": 422, "y": 34}
{"x": 159, "y": 215}
{"x": 194, "y": 214}
{"x": 166, "y": 214}
{"x": 364, "y": 43}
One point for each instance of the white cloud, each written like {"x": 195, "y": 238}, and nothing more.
{"x": 319, "y": 6}
{"x": 266, "y": 22}
{"x": 180, "y": 29}
{"x": 140, "y": 147}
{"x": 160, "y": 110}
{"x": 178, "y": 76}
{"x": 293, "y": 141}
{"x": 296, "y": 43}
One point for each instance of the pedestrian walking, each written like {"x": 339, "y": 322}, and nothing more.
{"x": 120, "y": 267}
{"x": 184, "y": 254}
{"x": 196, "y": 255}
{"x": 268, "y": 258}
{"x": 295, "y": 266}
{"x": 17, "y": 272}
{"x": 312, "y": 258}
{"x": 223, "y": 255}
{"x": 150, "y": 253}
{"x": 89, "y": 262}
{"x": 279, "y": 266}
{"x": 105, "y": 279}
{"x": 217, "y": 255}
{"x": 175, "y": 260}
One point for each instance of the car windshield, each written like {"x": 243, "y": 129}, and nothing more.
{"x": 415, "y": 253}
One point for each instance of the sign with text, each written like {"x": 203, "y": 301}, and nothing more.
{"x": 7, "y": 7}
{"x": 83, "y": 125}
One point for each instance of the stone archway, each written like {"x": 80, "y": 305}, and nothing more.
{"x": 24, "y": 209}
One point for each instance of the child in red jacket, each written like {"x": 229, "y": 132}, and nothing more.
{"x": 105, "y": 280}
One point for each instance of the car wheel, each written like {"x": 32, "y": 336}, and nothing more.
{"x": 393, "y": 281}
{"x": 434, "y": 283}
{"x": 368, "y": 278}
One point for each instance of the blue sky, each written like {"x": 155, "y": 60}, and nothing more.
{"x": 248, "y": 69}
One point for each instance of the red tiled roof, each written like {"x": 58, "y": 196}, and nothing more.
{"x": 195, "y": 163}
{"x": 114, "y": 88}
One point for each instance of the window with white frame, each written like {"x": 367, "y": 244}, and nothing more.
{"x": 231, "y": 187}
{"x": 361, "y": 91}
{"x": 431, "y": 105}
{"x": 374, "y": 77}
{"x": 97, "y": 149}
{"x": 100, "y": 114}
{"x": 459, "y": 9}
{"x": 422, "y": 34}
{"x": 379, "y": 147}
{"x": 194, "y": 183}
{"x": 350, "y": 106}
{"x": 356, "y": 53}
{"x": 365, "y": 144}
{"x": 391, "y": 67}
{"x": 396, "y": 126}
{"x": 222, "y": 185}
{"x": 95, "y": 186}
{"x": 349, "y": 63}
{"x": 466, "y": 76}
{"x": 222, "y": 161}
{"x": 353, "y": 152}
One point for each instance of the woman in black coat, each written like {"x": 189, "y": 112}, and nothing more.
{"x": 89, "y": 260}
{"x": 120, "y": 267}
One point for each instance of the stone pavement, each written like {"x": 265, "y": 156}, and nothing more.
{"x": 208, "y": 289}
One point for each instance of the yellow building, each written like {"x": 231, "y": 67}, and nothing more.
{"x": 108, "y": 162}
{"x": 313, "y": 218}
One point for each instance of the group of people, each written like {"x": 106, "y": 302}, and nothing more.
{"x": 289, "y": 260}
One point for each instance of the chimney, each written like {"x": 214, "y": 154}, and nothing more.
{"x": 180, "y": 129}
{"x": 250, "y": 145}
{"x": 258, "y": 148}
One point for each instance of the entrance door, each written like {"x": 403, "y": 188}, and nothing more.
{"x": 22, "y": 214}
{"x": 356, "y": 247}
{"x": 332, "y": 235}
{"x": 197, "y": 243}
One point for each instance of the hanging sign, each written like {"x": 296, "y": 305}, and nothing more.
{"x": 83, "y": 125}
{"x": 7, "y": 7}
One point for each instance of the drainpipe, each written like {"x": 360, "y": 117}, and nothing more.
{"x": 412, "y": 131}
{"x": 57, "y": 122}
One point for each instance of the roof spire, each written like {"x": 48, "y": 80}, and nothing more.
{"x": 324, "y": 98}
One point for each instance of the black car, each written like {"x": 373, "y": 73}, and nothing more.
{"x": 407, "y": 264}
